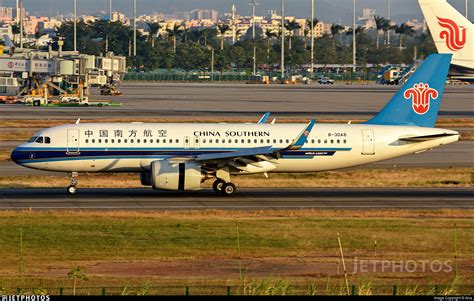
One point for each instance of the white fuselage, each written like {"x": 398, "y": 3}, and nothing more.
{"x": 131, "y": 147}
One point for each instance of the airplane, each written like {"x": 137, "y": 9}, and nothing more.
{"x": 181, "y": 156}
{"x": 452, "y": 33}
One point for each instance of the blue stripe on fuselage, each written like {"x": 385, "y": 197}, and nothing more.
{"x": 39, "y": 155}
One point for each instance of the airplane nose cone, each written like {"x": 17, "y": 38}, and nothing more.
{"x": 15, "y": 155}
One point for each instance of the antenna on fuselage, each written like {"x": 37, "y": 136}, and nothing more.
{"x": 273, "y": 121}
{"x": 78, "y": 120}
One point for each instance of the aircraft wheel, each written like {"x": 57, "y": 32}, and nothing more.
{"x": 229, "y": 189}
{"x": 217, "y": 185}
{"x": 71, "y": 190}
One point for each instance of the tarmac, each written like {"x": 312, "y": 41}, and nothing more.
{"x": 246, "y": 199}
{"x": 219, "y": 101}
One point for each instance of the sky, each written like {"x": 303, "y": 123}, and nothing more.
{"x": 339, "y": 11}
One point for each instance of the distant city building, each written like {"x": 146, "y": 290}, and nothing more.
{"x": 200, "y": 14}
{"x": 367, "y": 20}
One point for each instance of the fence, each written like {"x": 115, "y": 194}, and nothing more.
{"x": 242, "y": 77}
{"x": 253, "y": 288}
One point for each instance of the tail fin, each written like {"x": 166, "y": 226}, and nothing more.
{"x": 451, "y": 31}
{"x": 418, "y": 101}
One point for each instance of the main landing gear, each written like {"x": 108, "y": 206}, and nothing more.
{"x": 220, "y": 186}
{"x": 71, "y": 189}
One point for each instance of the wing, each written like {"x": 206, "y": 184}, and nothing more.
{"x": 263, "y": 153}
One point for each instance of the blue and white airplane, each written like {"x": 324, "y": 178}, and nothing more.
{"x": 176, "y": 156}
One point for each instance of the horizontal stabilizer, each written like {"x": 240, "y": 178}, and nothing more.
{"x": 426, "y": 137}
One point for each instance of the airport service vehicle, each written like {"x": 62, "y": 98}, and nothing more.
{"x": 325, "y": 81}
{"x": 178, "y": 156}
{"x": 452, "y": 33}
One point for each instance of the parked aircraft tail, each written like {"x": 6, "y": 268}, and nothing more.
{"x": 418, "y": 101}
{"x": 451, "y": 31}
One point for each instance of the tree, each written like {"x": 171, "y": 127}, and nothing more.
{"x": 291, "y": 26}
{"x": 153, "y": 29}
{"x": 269, "y": 35}
{"x": 335, "y": 30}
{"x": 381, "y": 24}
{"x": 404, "y": 30}
{"x": 222, "y": 29}
{"x": 174, "y": 33}
{"x": 76, "y": 274}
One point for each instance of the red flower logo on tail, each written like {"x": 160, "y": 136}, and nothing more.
{"x": 454, "y": 35}
{"x": 421, "y": 94}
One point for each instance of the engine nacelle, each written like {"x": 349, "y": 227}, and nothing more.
{"x": 176, "y": 176}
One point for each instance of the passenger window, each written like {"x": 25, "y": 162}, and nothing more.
{"x": 119, "y": 140}
{"x": 39, "y": 140}
{"x": 131, "y": 140}
{"x": 325, "y": 141}
{"x": 344, "y": 140}
{"x": 144, "y": 140}
{"x": 124, "y": 140}
{"x": 332, "y": 141}
{"x": 164, "y": 141}
{"x": 112, "y": 140}
{"x": 274, "y": 141}
{"x": 319, "y": 141}
{"x": 338, "y": 141}
{"x": 236, "y": 140}
{"x": 261, "y": 140}
{"x": 177, "y": 140}
{"x": 210, "y": 140}
{"x": 93, "y": 140}
{"x": 249, "y": 141}
{"x": 312, "y": 141}
{"x": 281, "y": 140}
{"x": 288, "y": 141}
{"x": 87, "y": 140}
{"x": 138, "y": 140}
{"x": 242, "y": 141}
{"x": 100, "y": 140}
{"x": 106, "y": 140}
{"x": 171, "y": 140}
{"x": 268, "y": 140}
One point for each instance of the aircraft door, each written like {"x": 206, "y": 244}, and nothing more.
{"x": 368, "y": 142}
{"x": 72, "y": 141}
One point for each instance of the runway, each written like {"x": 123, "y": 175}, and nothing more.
{"x": 246, "y": 199}
{"x": 220, "y": 101}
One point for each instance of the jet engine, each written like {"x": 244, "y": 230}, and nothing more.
{"x": 176, "y": 175}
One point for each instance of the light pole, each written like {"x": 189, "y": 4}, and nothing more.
{"x": 21, "y": 23}
{"x": 75, "y": 24}
{"x": 312, "y": 37}
{"x": 233, "y": 24}
{"x": 134, "y": 27}
{"x": 212, "y": 61}
{"x": 254, "y": 72}
{"x": 353, "y": 36}
{"x": 467, "y": 11}
{"x": 388, "y": 17}
{"x": 110, "y": 10}
{"x": 282, "y": 63}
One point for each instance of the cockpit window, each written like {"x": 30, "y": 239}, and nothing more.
{"x": 32, "y": 139}
{"x": 47, "y": 140}
{"x": 39, "y": 140}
